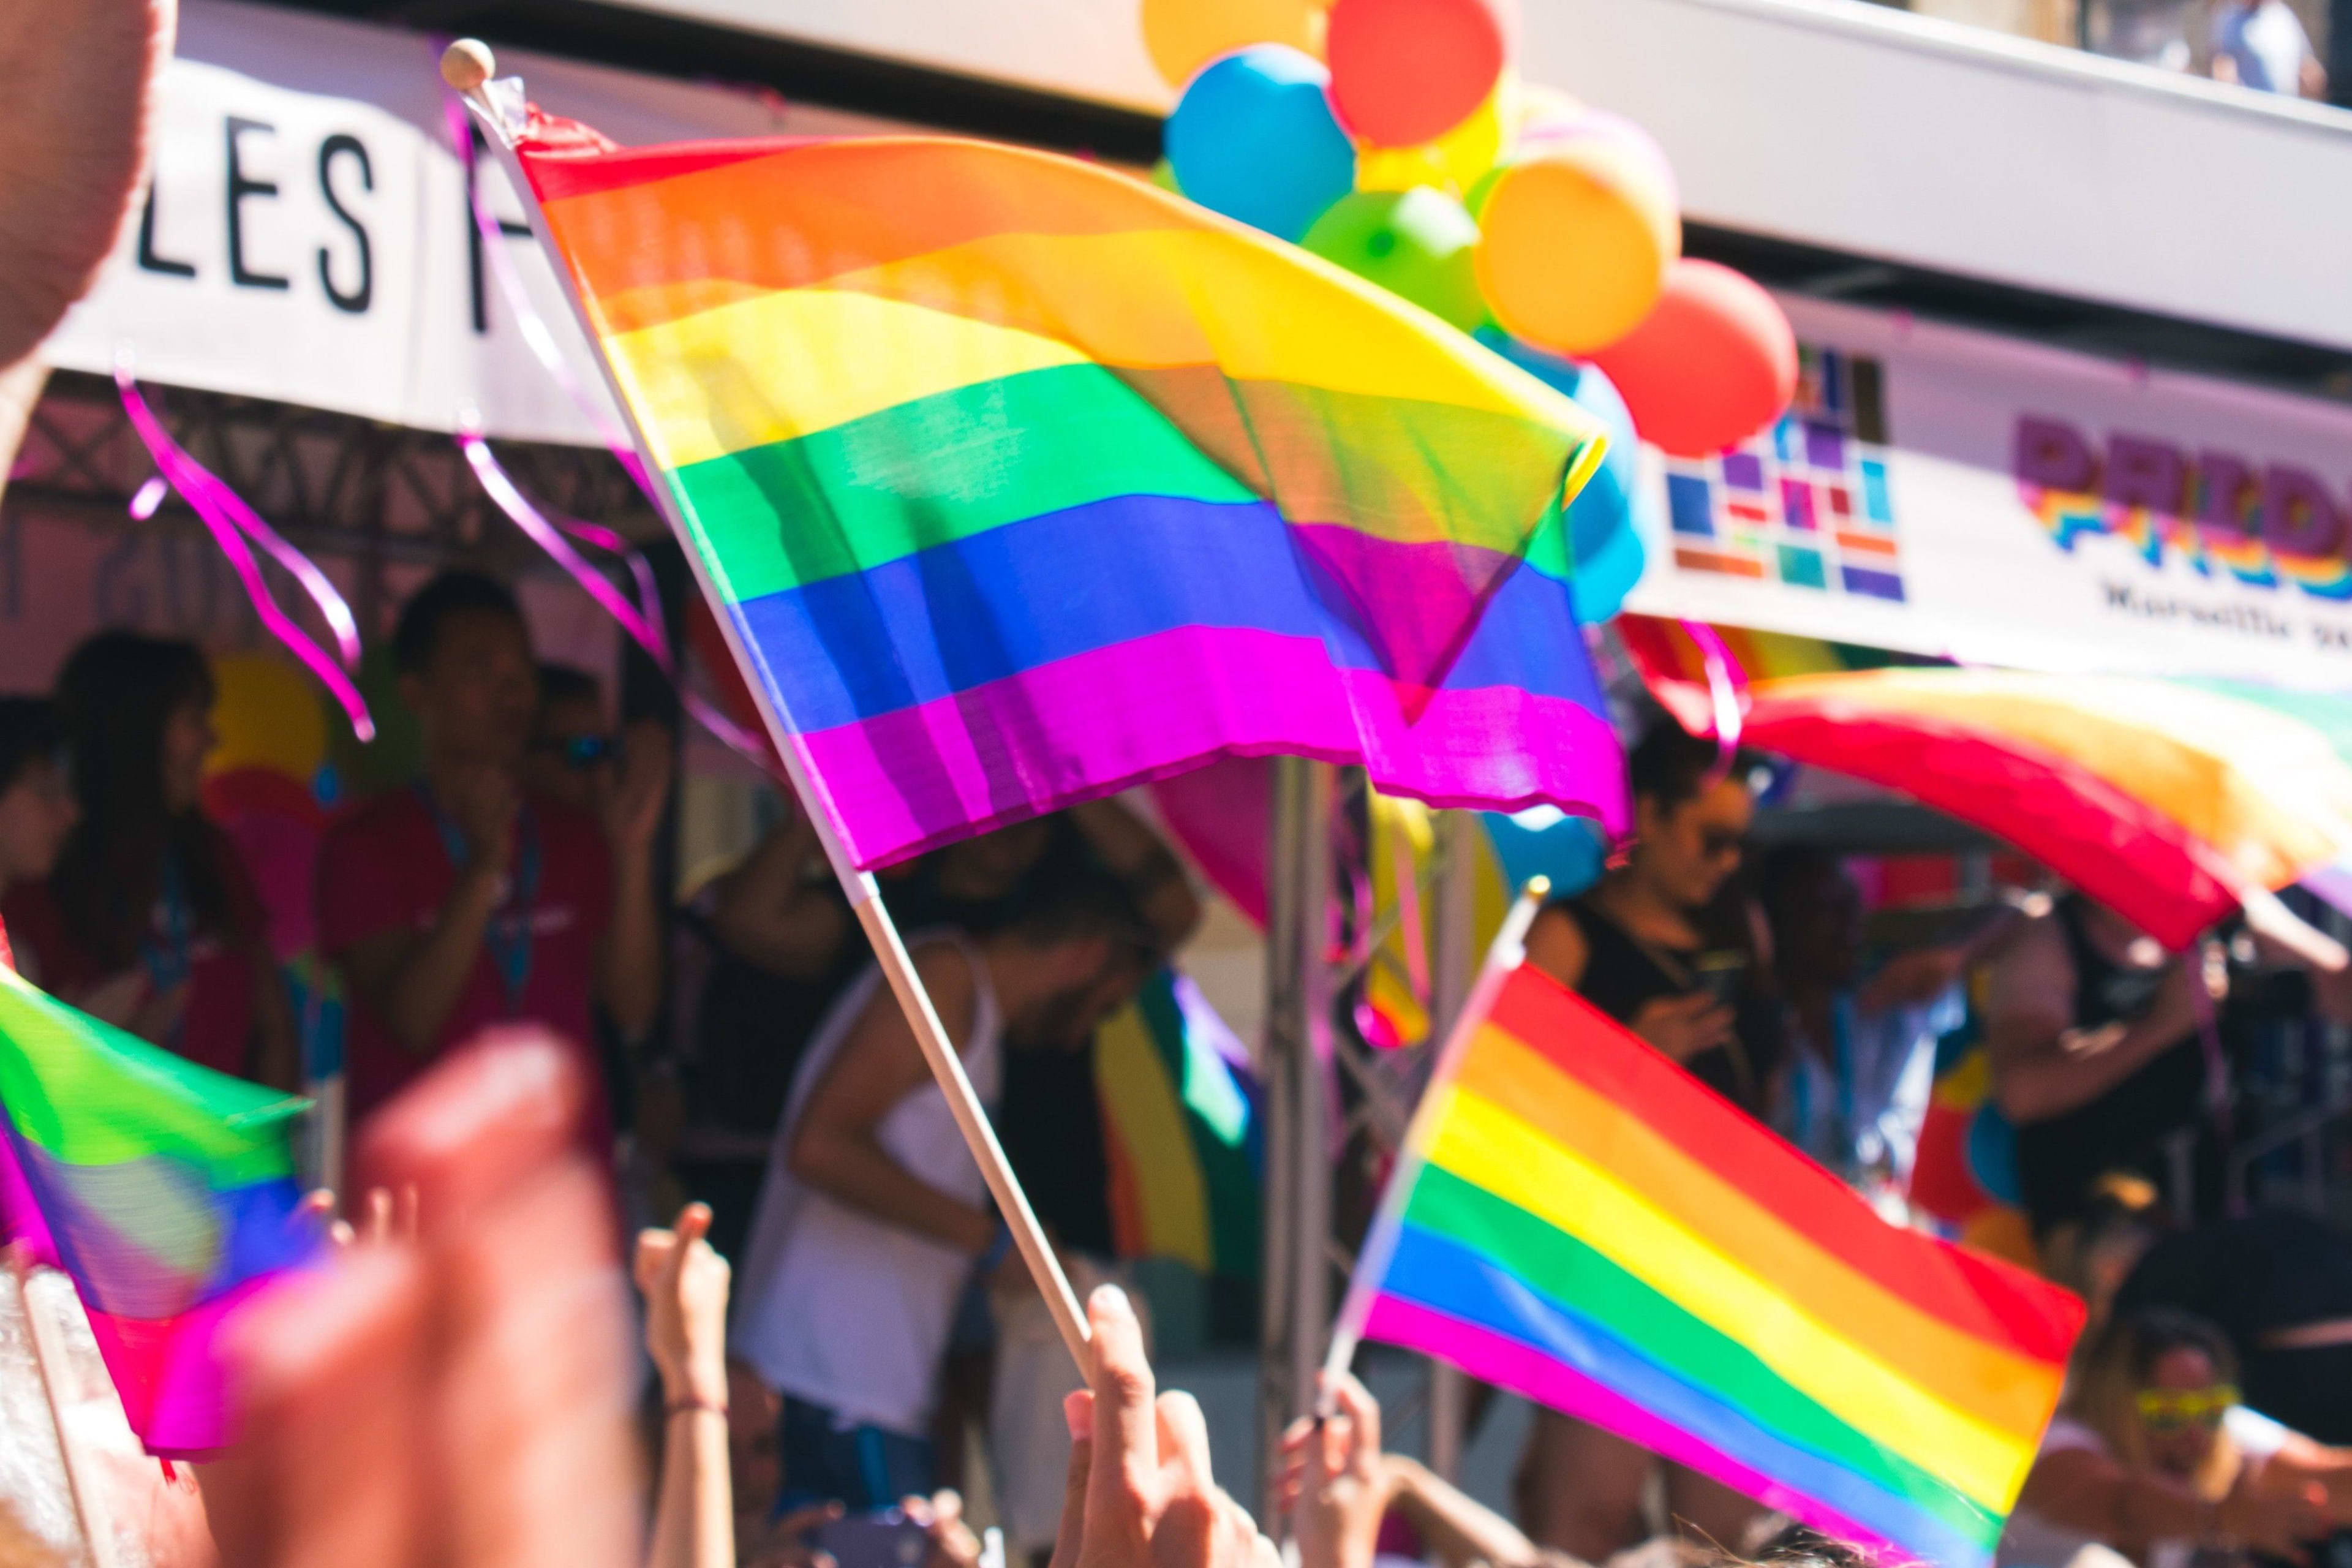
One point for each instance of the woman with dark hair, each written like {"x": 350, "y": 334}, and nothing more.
{"x": 150, "y": 920}
{"x": 1643, "y": 946}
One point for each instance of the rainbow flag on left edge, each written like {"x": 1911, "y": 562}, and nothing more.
{"x": 165, "y": 1190}
{"x": 1022, "y": 481}
{"x": 1587, "y": 1225}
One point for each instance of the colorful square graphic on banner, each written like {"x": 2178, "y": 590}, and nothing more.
{"x": 1804, "y": 503}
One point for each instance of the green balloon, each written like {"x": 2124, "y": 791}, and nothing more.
{"x": 1416, "y": 244}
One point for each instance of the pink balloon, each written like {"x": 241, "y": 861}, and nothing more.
{"x": 1712, "y": 363}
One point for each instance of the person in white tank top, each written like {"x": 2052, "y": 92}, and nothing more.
{"x": 874, "y": 1216}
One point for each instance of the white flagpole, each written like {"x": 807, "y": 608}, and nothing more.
{"x": 467, "y": 67}
{"x": 1508, "y": 951}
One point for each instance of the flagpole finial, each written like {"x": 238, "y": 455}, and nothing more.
{"x": 466, "y": 64}
{"x": 1538, "y": 888}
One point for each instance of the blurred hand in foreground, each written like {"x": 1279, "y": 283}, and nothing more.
{"x": 1335, "y": 1481}
{"x": 457, "y": 1397}
{"x": 1139, "y": 1493}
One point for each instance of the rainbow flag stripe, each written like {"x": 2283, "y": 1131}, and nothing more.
{"x": 165, "y": 1191}
{"x": 1591, "y": 1226}
{"x": 1024, "y": 481}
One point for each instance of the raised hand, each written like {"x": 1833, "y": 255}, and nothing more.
{"x": 456, "y": 1398}
{"x": 685, "y": 1286}
{"x": 630, "y": 798}
{"x": 1141, "y": 1494}
{"x": 1335, "y": 1480}
{"x": 484, "y": 800}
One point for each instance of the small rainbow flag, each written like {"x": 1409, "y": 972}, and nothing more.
{"x": 165, "y": 1191}
{"x": 1576, "y": 1218}
{"x": 1023, "y": 481}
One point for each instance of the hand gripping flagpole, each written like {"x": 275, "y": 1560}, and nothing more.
{"x": 467, "y": 67}
{"x": 1508, "y": 951}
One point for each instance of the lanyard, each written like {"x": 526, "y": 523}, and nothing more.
{"x": 512, "y": 932}
{"x": 168, "y": 954}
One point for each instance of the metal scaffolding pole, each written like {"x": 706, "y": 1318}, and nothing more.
{"x": 1297, "y": 1301}
{"x": 1453, "y": 965}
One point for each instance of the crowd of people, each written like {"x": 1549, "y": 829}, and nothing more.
{"x": 753, "y": 1051}
{"x": 453, "y": 1384}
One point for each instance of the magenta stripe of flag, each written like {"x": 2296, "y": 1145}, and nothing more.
{"x": 1506, "y": 1363}
{"x": 1118, "y": 716}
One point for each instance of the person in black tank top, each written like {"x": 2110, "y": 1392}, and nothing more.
{"x": 2095, "y": 1056}
{"x": 1637, "y": 948}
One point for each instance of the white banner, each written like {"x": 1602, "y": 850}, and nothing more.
{"x": 1951, "y": 492}
{"x": 308, "y": 240}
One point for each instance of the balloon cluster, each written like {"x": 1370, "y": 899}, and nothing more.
{"x": 1392, "y": 138}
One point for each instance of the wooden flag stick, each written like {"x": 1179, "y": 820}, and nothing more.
{"x": 468, "y": 68}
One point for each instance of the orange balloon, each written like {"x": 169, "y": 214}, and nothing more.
{"x": 1185, "y": 35}
{"x": 1578, "y": 231}
{"x": 1713, "y": 365}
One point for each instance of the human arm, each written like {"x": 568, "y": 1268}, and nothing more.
{"x": 1335, "y": 1481}
{"x": 2301, "y": 1462}
{"x": 771, "y": 913}
{"x": 413, "y": 980}
{"x": 685, "y": 1287}
{"x": 836, "y": 1149}
{"x": 1679, "y": 1026}
{"x": 1458, "y": 1529}
{"x": 1139, "y": 1492}
{"x": 629, "y": 966}
{"x": 2042, "y": 1065}
{"x": 1555, "y": 945}
{"x": 1134, "y": 854}
{"x": 2083, "y": 1489}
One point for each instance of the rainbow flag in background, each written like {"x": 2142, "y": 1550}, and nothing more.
{"x": 1023, "y": 481}
{"x": 1180, "y": 1123}
{"x": 1586, "y": 1224}
{"x": 165, "y": 1190}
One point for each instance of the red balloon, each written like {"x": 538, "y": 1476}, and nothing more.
{"x": 1407, "y": 71}
{"x": 1712, "y": 363}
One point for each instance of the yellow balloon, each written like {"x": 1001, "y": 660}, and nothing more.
{"x": 1185, "y": 35}
{"x": 1453, "y": 161}
{"x": 1575, "y": 238}
{"x": 268, "y": 715}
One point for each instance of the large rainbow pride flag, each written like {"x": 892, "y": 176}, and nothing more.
{"x": 165, "y": 1191}
{"x": 1584, "y": 1223}
{"x": 1022, "y": 481}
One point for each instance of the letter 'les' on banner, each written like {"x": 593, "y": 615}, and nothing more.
{"x": 1951, "y": 492}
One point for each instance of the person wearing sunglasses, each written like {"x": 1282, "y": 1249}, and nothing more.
{"x": 1637, "y": 946}
{"x": 2153, "y": 1455}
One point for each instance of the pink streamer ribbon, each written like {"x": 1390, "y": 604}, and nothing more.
{"x": 1726, "y": 686}
{"x": 231, "y": 523}
{"x": 528, "y": 321}
{"x": 645, "y": 627}
{"x": 555, "y": 533}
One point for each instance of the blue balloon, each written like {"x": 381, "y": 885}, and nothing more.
{"x": 1544, "y": 840}
{"x": 1254, "y": 138}
{"x": 1609, "y": 515}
